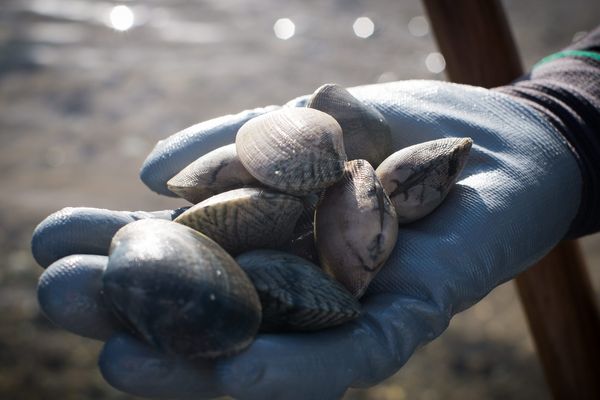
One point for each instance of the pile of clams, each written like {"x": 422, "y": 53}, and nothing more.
{"x": 289, "y": 226}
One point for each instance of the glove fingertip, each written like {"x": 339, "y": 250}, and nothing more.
{"x": 69, "y": 294}
{"x": 75, "y": 230}
{"x": 83, "y": 230}
{"x": 174, "y": 153}
{"x": 239, "y": 375}
{"x": 300, "y": 101}
{"x": 133, "y": 367}
{"x": 117, "y": 362}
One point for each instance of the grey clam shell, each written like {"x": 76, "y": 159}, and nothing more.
{"x": 179, "y": 291}
{"x": 294, "y": 150}
{"x": 295, "y": 294}
{"x": 215, "y": 172}
{"x": 418, "y": 178}
{"x": 245, "y": 219}
{"x": 366, "y": 133}
{"x": 355, "y": 227}
{"x": 302, "y": 243}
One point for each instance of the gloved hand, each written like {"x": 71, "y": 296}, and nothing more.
{"x": 515, "y": 200}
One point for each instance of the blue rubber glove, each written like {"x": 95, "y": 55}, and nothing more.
{"x": 515, "y": 200}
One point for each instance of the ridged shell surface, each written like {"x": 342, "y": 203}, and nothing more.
{"x": 294, "y": 150}
{"x": 179, "y": 291}
{"x": 302, "y": 243}
{"x": 245, "y": 219}
{"x": 418, "y": 178}
{"x": 355, "y": 227}
{"x": 215, "y": 172}
{"x": 366, "y": 133}
{"x": 295, "y": 294}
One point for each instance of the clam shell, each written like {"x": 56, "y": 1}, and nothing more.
{"x": 213, "y": 173}
{"x": 295, "y": 294}
{"x": 355, "y": 227}
{"x": 295, "y": 150}
{"x": 306, "y": 222}
{"x": 418, "y": 178}
{"x": 367, "y": 134}
{"x": 302, "y": 243}
{"x": 179, "y": 291}
{"x": 245, "y": 219}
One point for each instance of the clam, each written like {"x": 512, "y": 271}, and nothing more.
{"x": 302, "y": 243}
{"x": 217, "y": 171}
{"x": 295, "y": 294}
{"x": 245, "y": 219}
{"x": 366, "y": 133}
{"x": 355, "y": 227}
{"x": 418, "y": 178}
{"x": 294, "y": 150}
{"x": 180, "y": 291}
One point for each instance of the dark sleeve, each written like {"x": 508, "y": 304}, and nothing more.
{"x": 565, "y": 87}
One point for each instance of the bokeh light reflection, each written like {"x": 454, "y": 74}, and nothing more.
{"x": 363, "y": 27}
{"x": 284, "y": 28}
{"x": 121, "y": 18}
{"x": 418, "y": 26}
{"x": 435, "y": 62}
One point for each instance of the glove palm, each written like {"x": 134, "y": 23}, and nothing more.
{"x": 514, "y": 202}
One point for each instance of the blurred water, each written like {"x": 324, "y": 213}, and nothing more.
{"x": 64, "y": 32}
{"x": 82, "y": 103}
{"x": 396, "y": 37}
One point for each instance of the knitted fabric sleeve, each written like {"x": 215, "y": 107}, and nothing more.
{"x": 565, "y": 88}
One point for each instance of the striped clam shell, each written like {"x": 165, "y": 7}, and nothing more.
{"x": 294, "y": 150}
{"x": 367, "y": 134}
{"x": 302, "y": 243}
{"x": 295, "y": 294}
{"x": 215, "y": 172}
{"x": 179, "y": 291}
{"x": 418, "y": 178}
{"x": 355, "y": 227}
{"x": 245, "y": 219}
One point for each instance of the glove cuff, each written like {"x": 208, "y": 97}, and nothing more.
{"x": 565, "y": 89}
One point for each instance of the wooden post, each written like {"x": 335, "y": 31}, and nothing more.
{"x": 475, "y": 40}
{"x": 563, "y": 317}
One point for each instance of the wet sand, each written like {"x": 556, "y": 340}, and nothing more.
{"x": 82, "y": 104}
